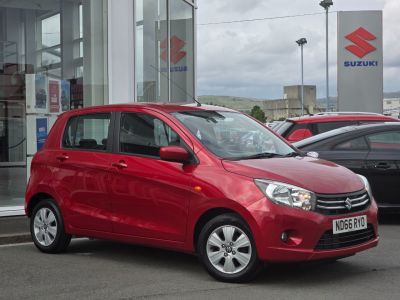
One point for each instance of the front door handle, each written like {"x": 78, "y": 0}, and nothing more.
{"x": 382, "y": 165}
{"x": 120, "y": 165}
{"x": 62, "y": 157}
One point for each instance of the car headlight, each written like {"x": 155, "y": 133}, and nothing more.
{"x": 286, "y": 194}
{"x": 366, "y": 184}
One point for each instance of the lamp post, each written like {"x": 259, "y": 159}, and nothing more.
{"x": 326, "y": 4}
{"x": 301, "y": 42}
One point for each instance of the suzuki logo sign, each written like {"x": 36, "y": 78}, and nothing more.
{"x": 360, "y": 46}
{"x": 176, "y": 45}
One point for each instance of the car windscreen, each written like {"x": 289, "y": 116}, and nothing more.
{"x": 232, "y": 135}
{"x": 323, "y": 136}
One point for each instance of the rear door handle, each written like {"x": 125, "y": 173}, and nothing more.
{"x": 62, "y": 157}
{"x": 120, "y": 165}
{"x": 382, "y": 165}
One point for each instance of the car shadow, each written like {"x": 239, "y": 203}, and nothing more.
{"x": 312, "y": 273}
{"x": 316, "y": 273}
{"x": 138, "y": 256}
{"x": 389, "y": 218}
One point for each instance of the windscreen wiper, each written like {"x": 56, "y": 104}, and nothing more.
{"x": 292, "y": 154}
{"x": 261, "y": 155}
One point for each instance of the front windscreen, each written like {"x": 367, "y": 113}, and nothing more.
{"x": 232, "y": 135}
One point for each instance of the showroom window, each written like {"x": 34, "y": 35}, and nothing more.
{"x": 164, "y": 39}
{"x": 53, "y": 57}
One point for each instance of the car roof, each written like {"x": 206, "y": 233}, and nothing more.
{"x": 342, "y": 117}
{"x": 344, "y": 130}
{"x": 161, "y": 107}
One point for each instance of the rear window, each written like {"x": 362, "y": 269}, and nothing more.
{"x": 327, "y": 126}
{"x": 323, "y": 136}
{"x": 87, "y": 132}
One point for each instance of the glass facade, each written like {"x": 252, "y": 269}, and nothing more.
{"x": 57, "y": 55}
{"x": 164, "y": 31}
{"x": 49, "y": 63}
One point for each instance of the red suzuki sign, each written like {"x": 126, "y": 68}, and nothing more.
{"x": 360, "y": 46}
{"x": 176, "y": 45}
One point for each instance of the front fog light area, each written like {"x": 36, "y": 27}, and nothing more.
{"x": 285, "y": 194}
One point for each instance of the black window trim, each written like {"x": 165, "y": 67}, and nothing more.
{"x": 75, "y": 118}
{"x": 116, "y": 134}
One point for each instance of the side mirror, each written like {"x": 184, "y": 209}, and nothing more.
{"x": 313, "y": 154}
{"x": 174, "y": 154}
{"x": 299, "y": 134}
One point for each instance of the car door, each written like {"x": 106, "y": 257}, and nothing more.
{"x": 384, "y": 167}
{"x": 150, "y": 197}
{"x": 349, "y": 152}
{"x": 83, "y": 171}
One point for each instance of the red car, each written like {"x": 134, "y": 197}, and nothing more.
{"x": 297, "y": 129}
{"x": 198, "y": 179}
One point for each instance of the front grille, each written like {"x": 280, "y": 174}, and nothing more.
{"x": 347, "y": 239}
{"x": 342, "y": 203}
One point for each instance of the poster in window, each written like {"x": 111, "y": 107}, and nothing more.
{"x": 54, "y": 96}
{"x": 40, "y": 91}
{"x": 65, "y": 95}
{"x": 41, "y": 132}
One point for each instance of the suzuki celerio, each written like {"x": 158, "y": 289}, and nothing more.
{"x": 198, "y": 179}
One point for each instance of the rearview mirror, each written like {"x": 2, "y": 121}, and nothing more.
{"x": 174, "y": 154}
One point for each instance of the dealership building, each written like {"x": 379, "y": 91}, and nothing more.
{"x": 57, "y": 55}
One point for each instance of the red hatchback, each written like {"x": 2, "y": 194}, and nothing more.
{"x": 198, "y": 179}
{"x": 297, "y": 129}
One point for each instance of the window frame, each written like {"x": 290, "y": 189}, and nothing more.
{"x": 116, "y": 137}
{"x": 75, "y": 118}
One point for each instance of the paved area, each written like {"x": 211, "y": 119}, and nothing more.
{"x": 106, "y": 270}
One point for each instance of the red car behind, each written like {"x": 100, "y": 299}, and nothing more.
{"x": 297, "y": 129}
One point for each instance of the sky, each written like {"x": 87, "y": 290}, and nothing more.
{"x": 256, "y": 59}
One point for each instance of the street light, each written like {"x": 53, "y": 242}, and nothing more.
{"x": 301, "y": 42}
{"x": 326, "y": 4}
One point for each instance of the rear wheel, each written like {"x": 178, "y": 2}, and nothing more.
{"x": 227, "y": 249}
{"x": 47, "y": 228}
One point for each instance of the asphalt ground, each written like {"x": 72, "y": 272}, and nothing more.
{"x": 93, "y": 269}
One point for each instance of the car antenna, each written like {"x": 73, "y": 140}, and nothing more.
{"x": 197, "y": 101}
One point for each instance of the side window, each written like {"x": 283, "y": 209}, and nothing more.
{"x": 88, "y": 132}
{"x": 324, "y": 127}
{"x": 385, "y": 141}
{"x": 143, "y": 134}
{"x": 354, "y": 144}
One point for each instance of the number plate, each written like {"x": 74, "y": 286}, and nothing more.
{"x": 349, "y": 224}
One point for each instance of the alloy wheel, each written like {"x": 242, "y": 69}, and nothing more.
{"x": 229, "y": 249}
{"x": 45, "y": 226}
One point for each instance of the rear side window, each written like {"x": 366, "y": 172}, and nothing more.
{"x": 142, "y": 134}
{"x": 87, "y": 132}
{"x": 385, "y": 141}
{"x": 324, "y": 127}
{"x": 353, "y": 145}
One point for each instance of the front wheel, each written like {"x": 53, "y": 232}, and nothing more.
{"x": 47, "y": 228}
{"x": 227, "y": 249}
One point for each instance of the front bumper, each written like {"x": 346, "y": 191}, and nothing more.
{"x": 304, "y": 229}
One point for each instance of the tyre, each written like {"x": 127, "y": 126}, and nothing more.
{"x": 227, "y": 250}
{"x": 47, "y": 228}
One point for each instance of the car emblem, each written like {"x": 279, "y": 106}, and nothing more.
{"x": 359, "y": 38}
{"x": 348, "y": 204}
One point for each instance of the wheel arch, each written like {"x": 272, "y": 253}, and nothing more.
{"x": 211, "y": 213}
{"x": 35, "y": 199}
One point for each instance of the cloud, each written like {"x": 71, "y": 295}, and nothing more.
{"x": 256, "y": 59}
